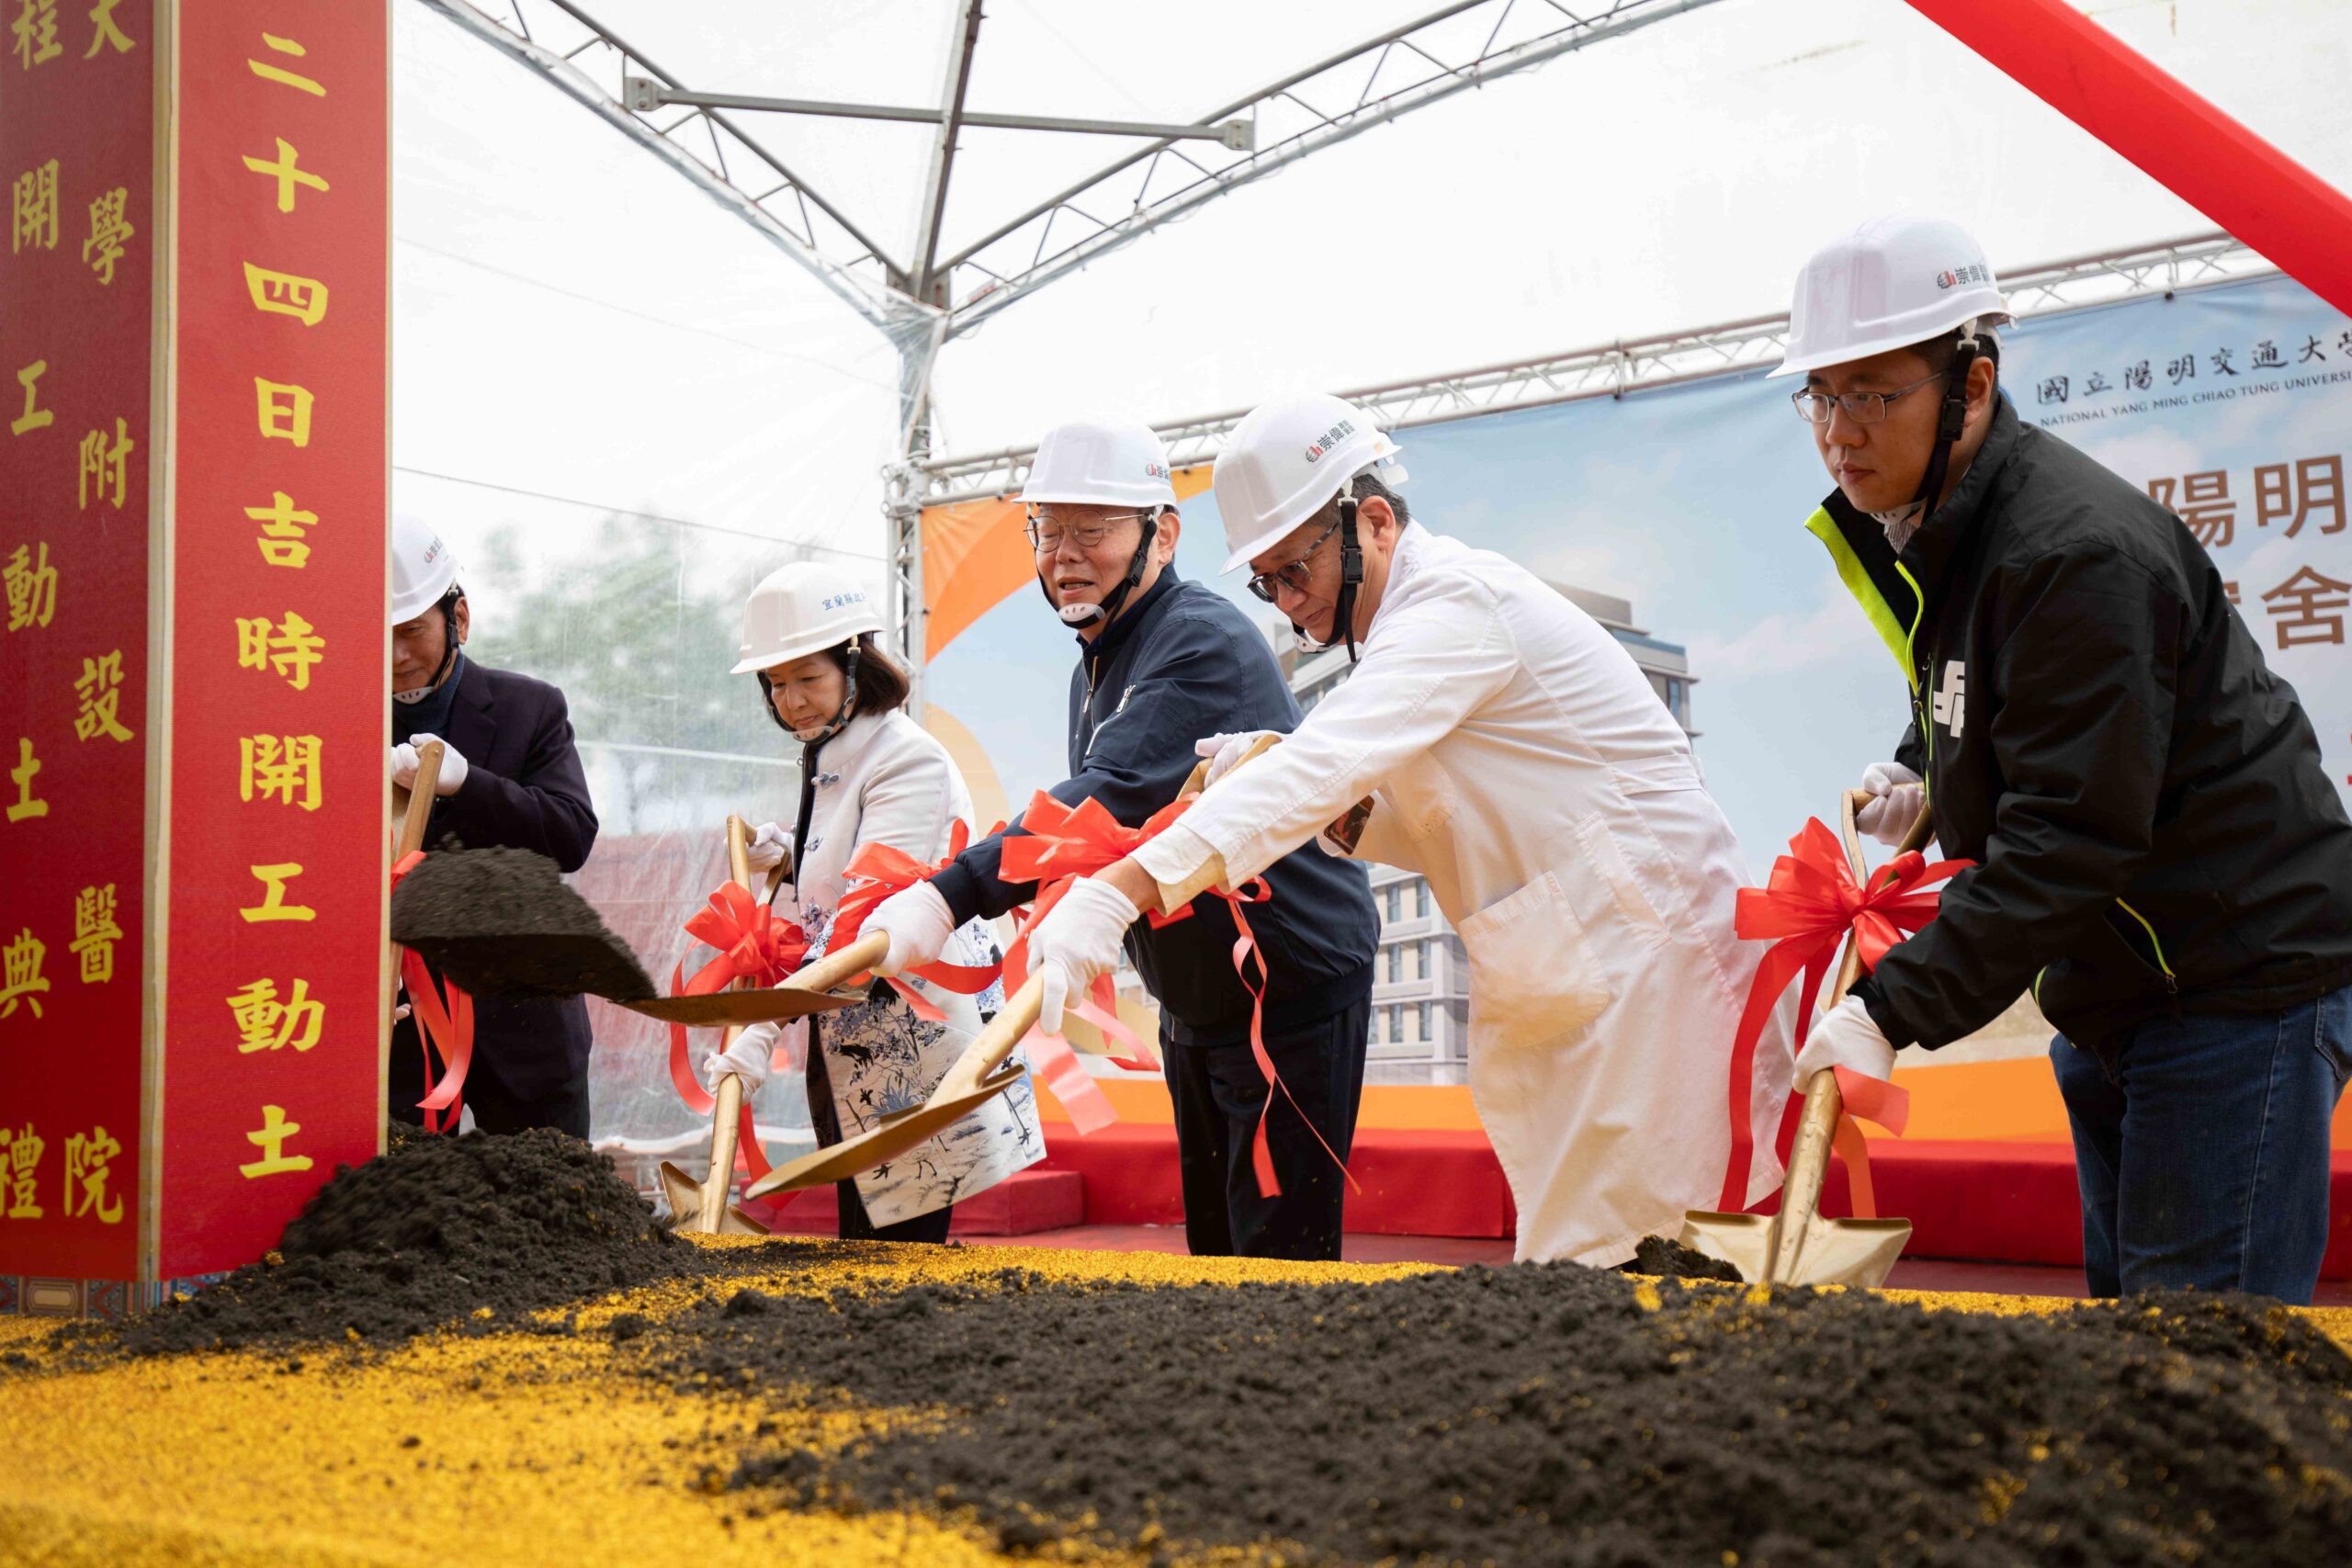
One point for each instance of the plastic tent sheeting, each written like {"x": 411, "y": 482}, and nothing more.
{"x": 622, "y": 408}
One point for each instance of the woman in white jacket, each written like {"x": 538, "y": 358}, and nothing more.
{"x": 869, "y": 775}
{"x": 1499, "y": 740}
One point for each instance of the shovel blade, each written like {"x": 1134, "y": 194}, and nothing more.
{"x": 1836, "y": 1252}
{"x": 684, "y": 1195}
{"x": 1744, "y": 1241}
{"x": 730, "y": 1008}
{"x": 878, "y": 1146}
{"x": 735, "y": 1222}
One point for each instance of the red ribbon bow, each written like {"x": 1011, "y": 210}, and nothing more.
{"x": 1061, "y": 843}
{"x": 880, "y": 871}
{"x": 444, "y": 1023}
{"x": 1810, "y": 904}
{"x": 753, "y": 943}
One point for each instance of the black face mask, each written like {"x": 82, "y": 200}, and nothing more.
{"x": 1351, "y": 579}
{"x": 833, "y": 726}
{"x": 1078, "y": 617}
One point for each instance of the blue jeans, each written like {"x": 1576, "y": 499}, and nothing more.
{"x": 2204, "y": 1155}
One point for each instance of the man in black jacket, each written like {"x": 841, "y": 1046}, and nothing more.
{"x": 1161, "y": 662}
{"x": 510, "y": 778}
{"x": 2160, "y": 857}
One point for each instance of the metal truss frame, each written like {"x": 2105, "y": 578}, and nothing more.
{"x": 1616, "y": 370}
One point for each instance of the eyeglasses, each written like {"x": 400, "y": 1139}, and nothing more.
{"x": 1045, "y": 538}
{"x": 1863, "y": 408}
{"x": 1293, "y": 575}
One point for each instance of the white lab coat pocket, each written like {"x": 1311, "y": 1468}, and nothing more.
{"x": 1533, "y": 976}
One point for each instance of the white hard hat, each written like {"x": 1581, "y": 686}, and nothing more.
{"x": 423, "y": 569}
{"x": 1890, "y": 283}
{"x": 1286, "y": 460}
{"x": 800, "y": 609}
{"x": 1100, "y": 462}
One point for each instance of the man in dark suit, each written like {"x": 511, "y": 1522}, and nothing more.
{"x": 510, "y": 778}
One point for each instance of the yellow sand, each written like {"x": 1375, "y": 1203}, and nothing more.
{"x": 506, "y": 1448}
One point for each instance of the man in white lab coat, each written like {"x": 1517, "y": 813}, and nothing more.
{"x": 1495, "y": 739}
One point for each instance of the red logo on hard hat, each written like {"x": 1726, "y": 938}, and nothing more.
{"x": 1945, "y": 280}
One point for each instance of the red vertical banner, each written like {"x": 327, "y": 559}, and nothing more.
{"x": 193, "y": 659}
{"x": 277, "y": 714}
{"x": 77, "y": 154}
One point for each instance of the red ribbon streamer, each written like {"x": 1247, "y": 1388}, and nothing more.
{"x": 880, "y": 871}
{"x": 2208, "y": 159}
{"x": 445, "y": 1022}
{"x": 1810, "y": 904}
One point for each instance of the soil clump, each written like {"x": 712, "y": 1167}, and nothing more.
{"x": 1556, "y": 1414}
{"x": 1663, "y": 1260}
{"x": 501, "y": 922}
{"x": 471, "y": 1231}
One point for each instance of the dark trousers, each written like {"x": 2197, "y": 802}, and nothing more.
{"x": 2202, "y": 1153}
{"x": 824, "y": 1119}
{"x": 563, "y": 1108}
{"x": 1218, "y": 1093}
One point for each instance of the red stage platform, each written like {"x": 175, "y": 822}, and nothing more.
{"x": 2006, "y": 1203}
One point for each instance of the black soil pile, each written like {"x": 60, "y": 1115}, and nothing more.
{"x": 1663, "y": 1260}
{"x": 1556, "y": 1415}
{"x": 503, "y": 923}
{"x": 424, "y": 1237}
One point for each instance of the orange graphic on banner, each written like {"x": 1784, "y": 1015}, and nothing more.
{"x": 273, "y": 904}
{"x": 34, "y": 417}
{"x": 99, "y": 693}
{"x": 271, "y": 1140}
{"x": 266, "y": 1022}
{"x": 108, "y": 229}
{"x": 282, "y": 527}
{"x": 284, "y": 766}
{"x": 285, "y": 294}
{"x": 102, "y": 463}
{"x": 287, "y": 174}
{"x": 35, "y": 32}
{"x": 107, "y": 32}
{"x": 30, "y": 583}
{"x": 291, "y": 648}
{"x": 34, "y": 214}
{"x": 25, "y": 806}
{"x": 283, "y": 410}
{"x": 278, "y": 73}
{"x": 95, "y": 933}
{"x": 87, "y": 1159}
{"x": 24, "y": 1148}
{"x": 20, "y": 975}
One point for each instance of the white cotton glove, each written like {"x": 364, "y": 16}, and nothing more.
{"x": 747, "y": 1058}
{"x": 1079, "y": 938}
{"x": 453, "y": 764}
{"x": 1901, "y": 798}
{"x": 1845, "y": 1037}
{"x": 1224, "y": 751}
{"x": 770, "y": 847}
{"x": 918, "y": 922}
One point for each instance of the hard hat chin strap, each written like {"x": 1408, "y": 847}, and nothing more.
{"x": 841, "y": 716}
{"x": 1078, "y": 616}
{"x": 447, "y": 605}
{"x": 1951, "y": 418}
{"x": 1351, "y": 579}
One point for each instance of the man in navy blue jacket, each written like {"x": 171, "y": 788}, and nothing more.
{"x": 1161, "y": 662}
{"x": 510, "y": 778}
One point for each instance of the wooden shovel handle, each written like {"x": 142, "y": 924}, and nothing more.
{"x": 720, "y": 1177}
{"x": 995, "y": 1041}
{"x": 835, "y": 967}
{"x": 418, "y": 807}
{"x": 1198, "y": 779}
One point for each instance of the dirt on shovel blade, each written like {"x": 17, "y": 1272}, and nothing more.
{"x": 503, "y": 923}
{"x": 1549, "y": 1414}
{"x": 428, "y": 1236}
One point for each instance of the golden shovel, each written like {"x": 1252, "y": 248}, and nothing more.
{"x": 1797, "y": 1246}
{"x": 978, "y": 1076}
{"x": 700, "y": 1208}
